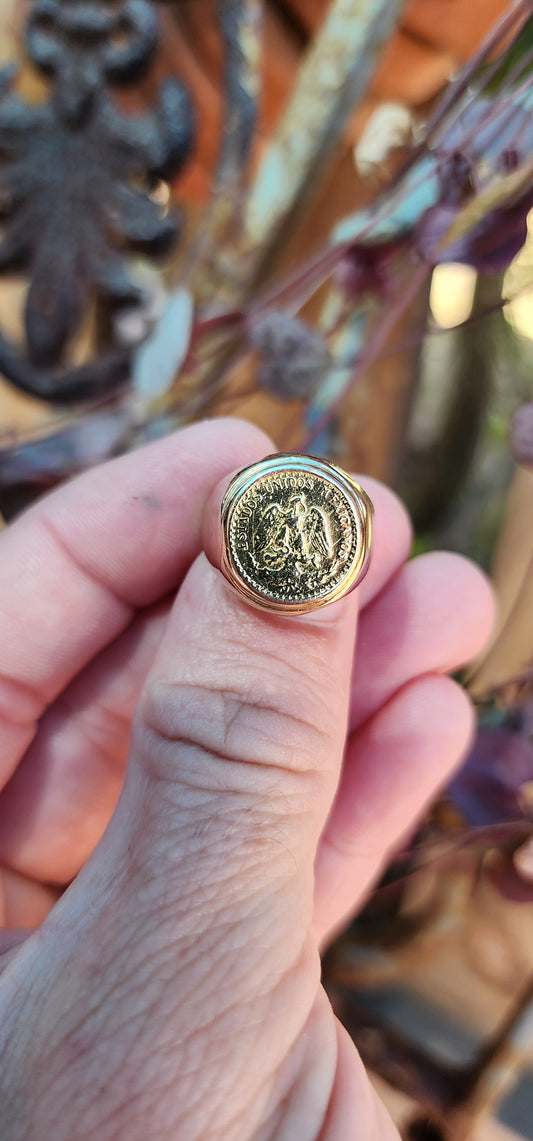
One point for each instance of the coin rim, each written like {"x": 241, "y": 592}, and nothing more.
{"x": 360, "y": 504}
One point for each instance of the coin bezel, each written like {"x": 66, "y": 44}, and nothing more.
{"x": 288, "y": 463}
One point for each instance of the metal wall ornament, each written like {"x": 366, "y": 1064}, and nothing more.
{"x": 75, "y": 180}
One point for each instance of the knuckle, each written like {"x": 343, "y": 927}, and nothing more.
{"x": 255, "y": 727}
{"x": 228, "y": 773}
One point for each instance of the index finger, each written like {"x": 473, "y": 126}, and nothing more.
{"x": 75, "y": 568}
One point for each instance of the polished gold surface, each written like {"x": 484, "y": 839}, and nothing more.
{"x": 296, "y": 533}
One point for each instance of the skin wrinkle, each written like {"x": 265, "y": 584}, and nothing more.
{"x": 227, "y": 611}
{"x": 339, "y": 847}
{"x": 289, "y": 973}
{"x": 230, "y": 856}
{"x": 218, "y": 934}
{"x": 260, "y": 699}
{"x": 16, "y": 1104}
{"x": 77, "y": 1037}
{"x": 80, "y": 1126}
{"x": 313, "y": 647}
{"x": 200, "y": 787}
{"x": 15, "y": 695}
{"x": 277, "y": 841}
{"x": 249, "y": 904}
{"x": 277, "y": 680}
{"x": 299, "y": 1108}
{"x": 237, "y": 1126}
{"x": 110, "y": 1120}
{"x": 249, "y": 899}
{"x": 223, "y": 762}
{"x": 62, "y": 545}
{"x": 161, "y": 530}
{"x": 268, "y": 832}
{"x": 115, "y": 721}
{"x": 72, "y": 871}
{"x": 243, "y": 806}
{"x": 176, "y": 720}
{"x": 103, "y": 998}
{"x": 262, "y": 995}
{"x": 80, "y": 758}
{"x": 202, "y": 825}
{"x": 200, "y": 1025}
{"x": 345, "y": 1122}
{"x": 108, "y": 735}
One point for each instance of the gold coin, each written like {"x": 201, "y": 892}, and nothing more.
{"x": 297, "y": 533}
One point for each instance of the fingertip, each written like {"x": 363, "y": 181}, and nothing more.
{"x": 407, "y": 752}
{"x": 233, "y": 432}
{"x": 440, "y": 703}
{"x": 395, "y": 765}
{"x": 467, "y": 586}
{"x": 427, "y": 727}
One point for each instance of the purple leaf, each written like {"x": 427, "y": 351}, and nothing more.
{"x": 504, "y": 875}
{"x": 489, "y": 246}
{"x": 368, "y": 270}
{"x": 521, "y": 434}
{"x": 492, "y": 131}
{"x": 488, "y": 789}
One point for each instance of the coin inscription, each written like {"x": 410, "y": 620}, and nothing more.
{"x": 293, "y": 536}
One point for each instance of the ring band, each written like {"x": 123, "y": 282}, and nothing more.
{"x": 294, "y": 533}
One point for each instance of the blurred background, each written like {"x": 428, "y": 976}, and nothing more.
{"x": 314, "y": 214}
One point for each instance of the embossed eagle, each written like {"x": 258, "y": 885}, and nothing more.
{"x": 297, "y": 532}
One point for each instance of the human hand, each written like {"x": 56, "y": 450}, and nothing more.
{"x": 173, "y": 991}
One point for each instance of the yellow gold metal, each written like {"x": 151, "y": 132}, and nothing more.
{"x": 296, "y": 533}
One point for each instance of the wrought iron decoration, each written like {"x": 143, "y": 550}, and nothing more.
{"x": 67, "y": 171}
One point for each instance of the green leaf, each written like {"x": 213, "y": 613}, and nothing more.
{"x": 519, "y": 50}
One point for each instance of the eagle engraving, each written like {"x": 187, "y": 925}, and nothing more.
{"x": 298, "y": 533}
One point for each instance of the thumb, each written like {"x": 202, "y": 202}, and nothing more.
{"x": 177, "y": 976}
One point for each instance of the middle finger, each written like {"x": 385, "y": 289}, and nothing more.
{"x": 432, "y": 618}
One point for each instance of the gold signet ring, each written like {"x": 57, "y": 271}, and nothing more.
{"x": 293, "y": 533}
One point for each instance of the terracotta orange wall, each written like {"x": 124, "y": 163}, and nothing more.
{"x": 448, "y": 25}
{"x": 435, "y": 38}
